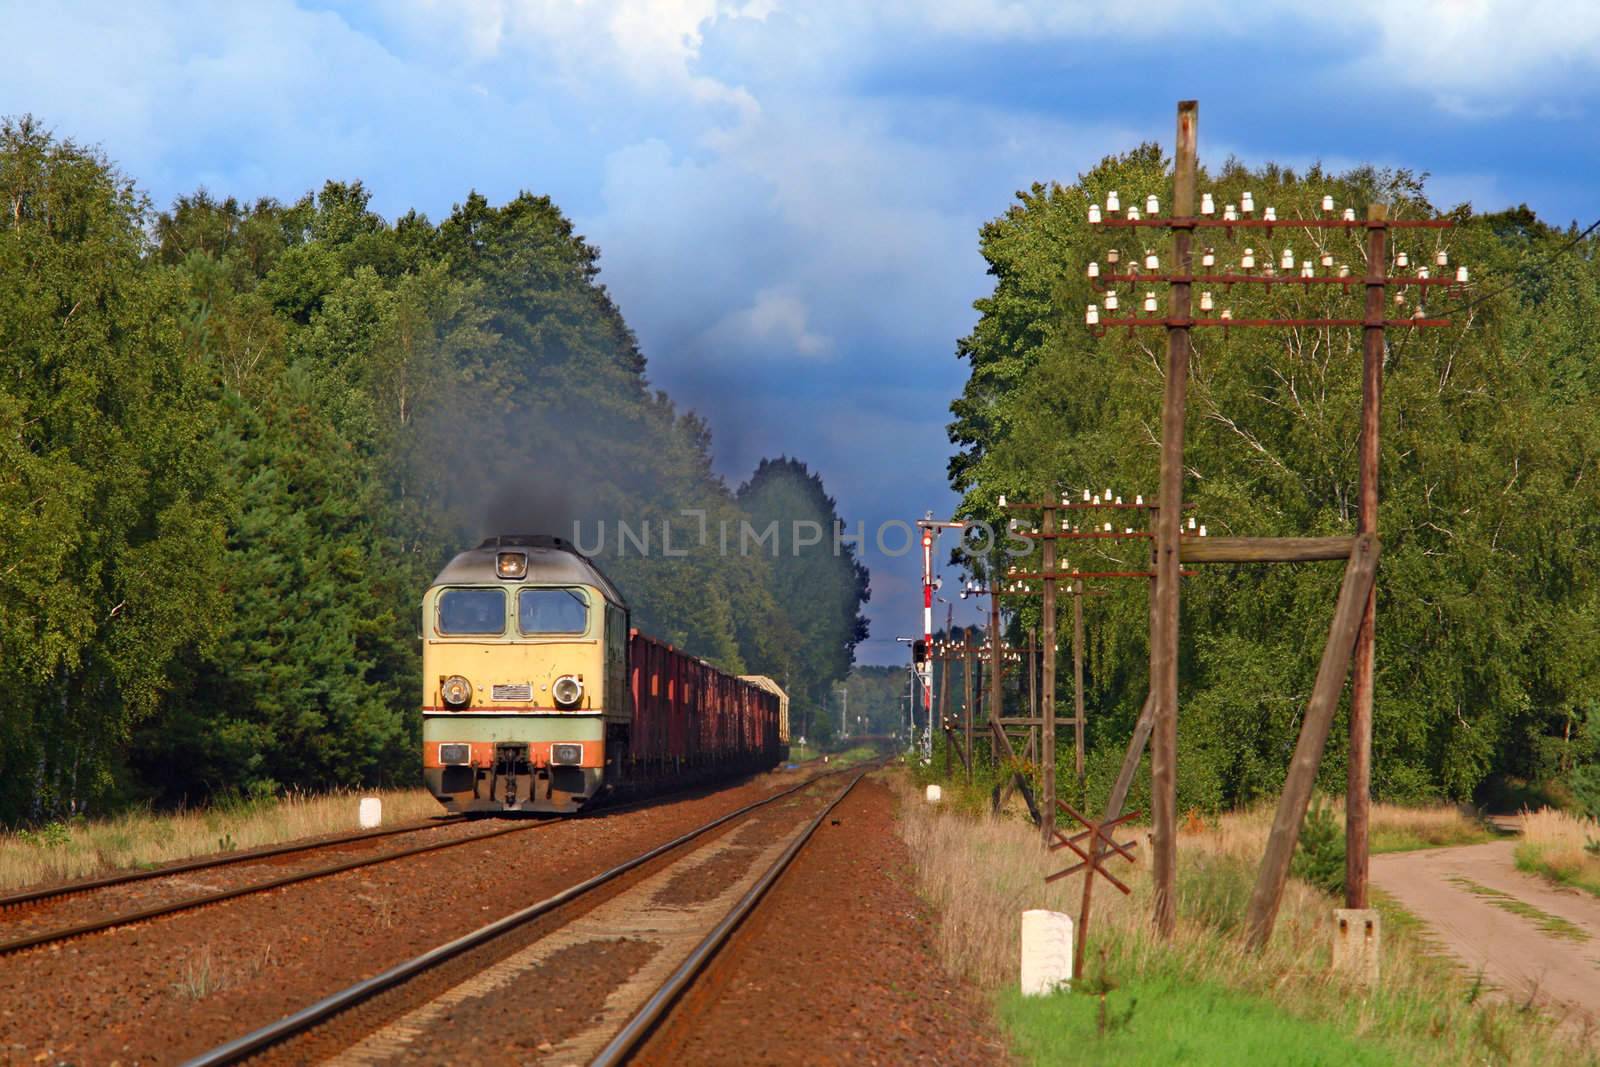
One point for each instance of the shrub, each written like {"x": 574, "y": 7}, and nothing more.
{"x": 1584, "y": 782}
{"x": 1319, "y": 858}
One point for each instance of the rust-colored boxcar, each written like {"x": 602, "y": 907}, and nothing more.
{"x": 689, "y": 717}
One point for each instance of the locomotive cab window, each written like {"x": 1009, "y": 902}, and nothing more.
{"x": 476, "y": 612}
{"x": 552, "y": 611}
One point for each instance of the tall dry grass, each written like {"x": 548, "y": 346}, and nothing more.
{"x": 1561, "y": 846}
{"x": 981, "y": 873}
{"x": 1392, "y": 828}
{"x": 80, "y": 849}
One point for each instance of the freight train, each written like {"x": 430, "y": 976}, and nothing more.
{"x": 538, "y": 696}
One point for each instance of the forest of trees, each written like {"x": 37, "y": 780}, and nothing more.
{"x": 1488, "y": 640}
{"x": 237, "y": 440}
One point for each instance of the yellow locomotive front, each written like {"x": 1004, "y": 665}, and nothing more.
{"x": 523, "y": 667}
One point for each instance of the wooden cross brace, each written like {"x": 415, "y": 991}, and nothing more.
{"x": 1094, "y": 858}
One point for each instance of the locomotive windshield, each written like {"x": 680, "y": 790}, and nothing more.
{"x": 552, "y": 611}
{"x": 472, "y": 611}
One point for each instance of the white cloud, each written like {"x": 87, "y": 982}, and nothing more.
{"x": 650, "y": 45}
{"x": 1473, "y": 54}
{"x": 775, "y": 321}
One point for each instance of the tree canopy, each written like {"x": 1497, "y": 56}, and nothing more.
{"x": 814, "y": 577}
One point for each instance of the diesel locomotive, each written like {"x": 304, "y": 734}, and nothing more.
{"x": 538, "y": 696}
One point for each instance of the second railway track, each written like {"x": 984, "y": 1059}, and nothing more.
{"x": 642, "y": 931}
{"x": 12, "y": 942}
{"x": 109, "y": 921}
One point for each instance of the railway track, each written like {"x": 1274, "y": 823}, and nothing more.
{"x": 112, "y": 921}
{"x": 294, "y": 1038}
{"x": 67, "y": 889}
{"x": 660, "y": 1003}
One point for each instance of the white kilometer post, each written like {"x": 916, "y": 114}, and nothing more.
{"x": 1046, "y": 952}
{"x": 371, "y": 813}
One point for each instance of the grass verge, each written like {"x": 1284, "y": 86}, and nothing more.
{"x": 1393, "y": 828}
{"x": 81, "y": 848}
{"x": 1553, "y": 925}
{"x": 1563, "y": 847}
{"x": 853, "y": 755}
{"x": 1163, "y": 1021}
{"x": 979, "y": 873}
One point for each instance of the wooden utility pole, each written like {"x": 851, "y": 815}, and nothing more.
{"x": 1350, "y": 643}
{"x": 1359, "y": 573}
{"x": 1033, "y": 697}
{"x": 944, "y": 703}
{"x": 1164, "y": 639}
{"x": 1047, "y": 755}
{"x": 995, "y": 670}
{"x": 966, "y": 698}
{"x": 1077, "y": 680}
{"x": 1358, "y": 784}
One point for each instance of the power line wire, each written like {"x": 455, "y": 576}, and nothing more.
{"x": 1550, "y": 258}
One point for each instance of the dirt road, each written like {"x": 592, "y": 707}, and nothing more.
{"x": 1527, "y": 937}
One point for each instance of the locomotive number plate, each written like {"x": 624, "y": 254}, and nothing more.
{"x": 520, "y": 691}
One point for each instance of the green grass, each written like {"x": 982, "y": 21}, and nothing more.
{"x": 1400, "y": 923}
{"x": 854, "y": 754}
{"x": 1163, "y": 1021}
{"x": 1553, "y": 925}
{"x": 1534, "y": 859}
{"x": 1406, "y": 839}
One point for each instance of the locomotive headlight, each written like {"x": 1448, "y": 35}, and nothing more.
{"x": 511, "y": 564}
{"x": 456, "y": 691}
{"x": 567, "y": 691}
{"x": 566, "y": 754}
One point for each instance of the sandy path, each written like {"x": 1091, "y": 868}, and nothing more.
{"x": 1515, "y": 955}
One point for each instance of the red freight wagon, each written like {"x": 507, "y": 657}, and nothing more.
{"x": 690, "y": 718}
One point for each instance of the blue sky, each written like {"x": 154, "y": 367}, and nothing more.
{"x": 787, "y": 194}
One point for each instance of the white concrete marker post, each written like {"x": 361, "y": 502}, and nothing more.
{"x": 371, "y": 813}
{"x": 1357, "y": 939}
{"x": 935, "y": 794}
{"x": 1046, "y": 952}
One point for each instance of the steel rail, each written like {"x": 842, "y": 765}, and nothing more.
{"x": 67, "y": 889}
{"x": 300, "y": 1021}
{"x": 67, "y": 933}
{"x": 661, "y": 1001}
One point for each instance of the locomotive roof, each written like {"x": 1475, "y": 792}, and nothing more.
{"x": 551, "y": 561}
